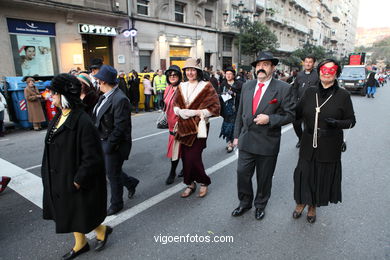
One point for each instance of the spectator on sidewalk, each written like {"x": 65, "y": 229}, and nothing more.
{"x": 3, "y": 105}
{"x": 34, "y": 106}
{"x": 134, "y": 90}
{"x": 159, "y": 85}
{"x": 148, "y": 92}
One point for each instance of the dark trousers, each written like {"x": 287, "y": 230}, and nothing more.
{"x": 192, "y": 163}
{"x": 117, "y": 178}
{"x": 297, "y": 124}
{"x": 147, "y": 102}
{"x": 265, "y": 167}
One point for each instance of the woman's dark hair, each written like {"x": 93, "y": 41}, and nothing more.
{"x": 177, "y": 74}
{"x": 199, "y": 75}
{"x": 147, "y": 77}
{"x": 322, "y": 63}
{"x": 69, "y": 86}
{"x": 135, "y": 74}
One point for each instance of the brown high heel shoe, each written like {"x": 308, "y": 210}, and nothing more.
{"x": 203, "y": 190}
{"x": 298, "y": 210}
{"x": 311, "y": 214}
{"x": 189, "y": 190}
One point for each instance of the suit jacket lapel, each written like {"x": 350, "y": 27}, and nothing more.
{"x": 251, "y": 92}
{"x": 268, "y": 95}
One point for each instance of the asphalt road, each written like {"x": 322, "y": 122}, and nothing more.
{"x": 357, "y": 228}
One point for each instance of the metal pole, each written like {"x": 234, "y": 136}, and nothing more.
{"x": 239, "y": 50}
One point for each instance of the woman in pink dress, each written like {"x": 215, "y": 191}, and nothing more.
{"x": 174, "y": 77}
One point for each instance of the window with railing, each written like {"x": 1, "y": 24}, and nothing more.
{"x": 143, "y": 7}
{"x": 179, "y": 12}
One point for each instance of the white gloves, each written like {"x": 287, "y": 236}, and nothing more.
{"x": 185, "y": 113}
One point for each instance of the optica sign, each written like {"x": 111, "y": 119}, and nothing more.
{"x": 97, "y": 29}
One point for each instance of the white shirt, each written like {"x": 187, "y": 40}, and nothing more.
{"x": 107, "y": 95}
{"x": 263, "y": 90}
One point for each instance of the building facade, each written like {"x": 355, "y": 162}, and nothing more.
{"x": 48, "y": 37}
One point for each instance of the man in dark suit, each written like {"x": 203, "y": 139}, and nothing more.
{"x": 266, "y": 104}
{"x": 305, "y": 79}
{"x": 112, "y": 117}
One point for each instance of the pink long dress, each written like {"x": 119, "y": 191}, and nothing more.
{"x": 172, "y": 118}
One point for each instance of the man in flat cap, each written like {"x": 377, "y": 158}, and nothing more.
{"x": 266, "y": 104}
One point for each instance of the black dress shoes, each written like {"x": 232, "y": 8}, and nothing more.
{"x": 239, "y": 211}
{"x": 131, "y": 190}
{"x": 113, "y": 211}
{"x": 259, "y": 214}
{"x": 101, "y": 243}
{"x": 72, "y": 254}
{"x": 170, "y": 179}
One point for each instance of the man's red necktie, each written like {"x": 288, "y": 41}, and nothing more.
{"x": 256, "y": 98}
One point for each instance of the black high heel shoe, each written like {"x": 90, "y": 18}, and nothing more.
{"x": 297, "y": 214}
{"x": 311, "y": 219}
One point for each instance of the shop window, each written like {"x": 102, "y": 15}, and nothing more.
{"x": 143, "y": 7}
{"x": 179, "y": 12}
{"x": 227, "y": 43}
{"x": 208, "y": 17}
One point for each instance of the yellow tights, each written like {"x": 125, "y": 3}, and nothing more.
{"x": 81, "y": 240}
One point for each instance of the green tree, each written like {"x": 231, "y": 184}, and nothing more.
{"x": 256, "y": 37}
{"x": 318, "y": 52}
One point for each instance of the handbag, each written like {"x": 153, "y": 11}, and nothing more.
{"x": 202, "y": 128}
{"x": 162, "y": 121}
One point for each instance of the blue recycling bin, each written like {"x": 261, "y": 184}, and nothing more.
{"x": 15, "y": 87}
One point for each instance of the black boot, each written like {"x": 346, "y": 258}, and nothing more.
{"x": 172, "y": 173}
{"x": 1, "y": 128}
{"x": 372, "y": 95}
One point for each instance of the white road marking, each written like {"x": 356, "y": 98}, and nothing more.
{"x": 30, "y": 186}
{"x": 33, "y": 167}
{"x": 23, "y": 182}
{"x": 2, "y": 140}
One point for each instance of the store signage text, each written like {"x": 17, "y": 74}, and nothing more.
{"x": 97, "y": 29}
{"x": 30, "y": 27}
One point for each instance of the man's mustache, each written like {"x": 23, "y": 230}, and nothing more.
{"x": 261, "y": 70}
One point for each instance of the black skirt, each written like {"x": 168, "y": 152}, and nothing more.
{"x": 317, "y": 183}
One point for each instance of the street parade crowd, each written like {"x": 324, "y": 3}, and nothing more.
{"x": 89, "y": 138}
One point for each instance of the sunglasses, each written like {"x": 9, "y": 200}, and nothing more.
{"x": 326, "y": 70}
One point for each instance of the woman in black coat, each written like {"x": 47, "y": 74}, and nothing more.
{"x": 73, "y": 176}
{"x": 134, "y": 90}
{"x": 325, "y": 110}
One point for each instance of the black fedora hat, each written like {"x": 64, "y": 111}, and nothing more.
{"x": 176, "y": 69}
{"x": 96, "y": 63}
{"x": 173, "y": 68}
{"x": 265, "y": 55}
{"x": 230, "y": 69}
{"x": 107, "y": 74}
